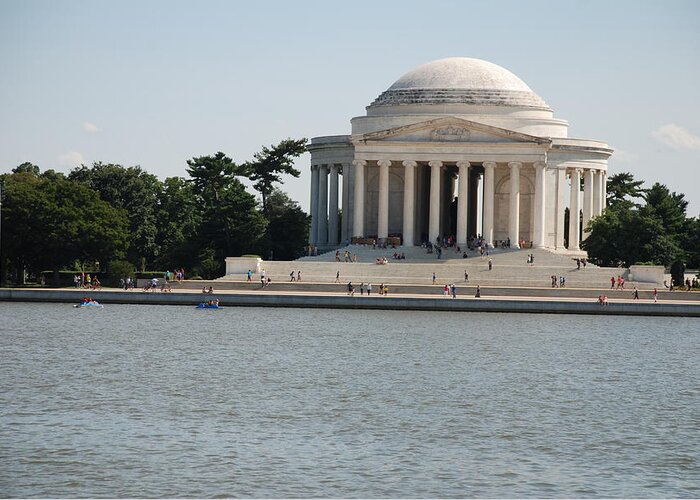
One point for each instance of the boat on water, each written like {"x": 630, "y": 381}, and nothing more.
{"x": 89, "y": 303}
{"x": 212, "y": 304}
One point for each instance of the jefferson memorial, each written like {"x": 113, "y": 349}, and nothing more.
{"x": 456, "y": 147}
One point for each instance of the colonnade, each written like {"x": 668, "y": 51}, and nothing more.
{"x": 324, "y": 204}
{"x": 324, "y": 201}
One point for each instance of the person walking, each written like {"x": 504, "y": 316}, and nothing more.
{"x": 490, "y": 264}
{"x": 656, "y": 295}
{"x": 635, "y": 294}
{"x": 369, "y": 289}
{"x": 466, "y": 275}
{"x": 434, "y": 278}
{"x": 337, "y": 276}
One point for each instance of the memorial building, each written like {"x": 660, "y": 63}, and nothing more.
{"x": 456, "y": 147}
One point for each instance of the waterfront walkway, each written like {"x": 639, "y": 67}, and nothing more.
{"x": 684, "y": 304}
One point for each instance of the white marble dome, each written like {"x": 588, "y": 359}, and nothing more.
{"x": 460, "y": 80}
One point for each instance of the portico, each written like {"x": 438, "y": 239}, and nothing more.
{"x": 501, "y": 172}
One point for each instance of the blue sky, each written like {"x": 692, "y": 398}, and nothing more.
{"x": 155, "y": 83}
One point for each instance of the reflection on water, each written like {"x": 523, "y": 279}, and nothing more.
{"x": 174, "y": 401}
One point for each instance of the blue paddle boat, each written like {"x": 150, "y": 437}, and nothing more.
{"x": 212, "y": 304}
{"x": 89, "y": 303}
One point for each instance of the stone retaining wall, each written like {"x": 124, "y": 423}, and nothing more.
{"x": 360, "y": 302}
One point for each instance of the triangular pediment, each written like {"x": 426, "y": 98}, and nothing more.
{"x": 450, "y": 129}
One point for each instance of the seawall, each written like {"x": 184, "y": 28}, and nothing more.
{"x": 463, "y": 303}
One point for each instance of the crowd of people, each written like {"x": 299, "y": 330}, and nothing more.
{"x": 84, "y": 280}
{"x": 346, "y": 256}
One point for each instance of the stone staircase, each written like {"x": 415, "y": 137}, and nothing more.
{"x": 509, "y": 268}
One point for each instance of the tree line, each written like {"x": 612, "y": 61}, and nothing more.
{"x": 115, "y": 219}
{"x": 644, "y": 226}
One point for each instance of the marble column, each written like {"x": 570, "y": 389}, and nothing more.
{"x": 596, "y": 192}
{"x": 409, "y": 195}
{"x": 358, "y": 223}
{"x": 345, "y": 204}
{"x": 479, "y": 205}
{"x": 574, "y": 209}
{"x": 434, "y": 218}
{"x": 514, "y": 206}
{"x": 489, "y": 195}
{"x": 539, "y": 226}
{"x": 333, "y": 207}
{"x": 603, "y": 190}
{"x": 560, "y": 209}
{"x": 383, "y": 209}
{"x": 462, "y": 202}
{"x": 587, "y": 199}
{"x": 313, "y": 237}
{"x": 323, "y": 206}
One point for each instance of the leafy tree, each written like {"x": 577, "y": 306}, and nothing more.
{"x": 230, "y": 224}
{"x": 667, "y": 206}
{"x": 653, "y": 232}
{"x": 134, "y": 190}
{"x": 288, "y": 226}
{"x": 50, "y": 223}
{"x": 21, "y": 241}
{"x": 621, "y": 187}
{"x": 26, "y": 167}
{"x": 625, "y": 237}
{"x": 51, "y": 174}
{"x": 119, "y": 269}
{"x": 178, "y": 219}
{"x": 211, "y": 175}
{"x": 691, "y": 242}
{"x": 234, "y": 225}
{"x": 270, "y": 163}
{"x": 209, "y": 266}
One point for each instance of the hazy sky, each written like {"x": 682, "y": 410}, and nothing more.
{"x": 153, "y": 83}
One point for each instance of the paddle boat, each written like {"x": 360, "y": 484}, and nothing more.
{"x": 211, "y": 304}
{"x": 88, "y": 302}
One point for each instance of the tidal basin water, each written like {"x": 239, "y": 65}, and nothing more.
{"x": 155, "y": 401}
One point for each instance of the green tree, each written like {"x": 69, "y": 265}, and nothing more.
{"x": 134, "y": 190}
{"x": 51, "y": 174}
{"x": 178, "y": 219}
{"x": 288, "y": 227}
{"x": 21, "y": 243}
{"x": 211, "y": 175}
{"x": 667, "y": 206}
{"x": 51, "y": 223}
{"x": 230, "y": 224}
{"x": 624, "y": 237}
{"x": 269, "y": 164}
{"x": 691, "y": 242}
{"x": 656, "y": 231}
{"x": 622, "y": 189}
{"x": 26, "y": 167}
